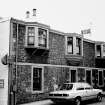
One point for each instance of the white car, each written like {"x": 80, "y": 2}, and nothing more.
{"x": 75, "y": 92}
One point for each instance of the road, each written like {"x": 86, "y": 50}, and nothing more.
{"x": 92, "y": 102}
{"x": 49, "y": 102}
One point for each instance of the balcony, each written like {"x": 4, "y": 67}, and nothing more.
{"x": 38, "y": 51}
{"x": 74, "y": 60}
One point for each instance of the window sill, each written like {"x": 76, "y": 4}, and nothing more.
{"x": 37, "y": 92}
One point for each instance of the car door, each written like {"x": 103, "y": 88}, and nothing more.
{"x": 81, "y": 92}
{"x": 90, "y": 92}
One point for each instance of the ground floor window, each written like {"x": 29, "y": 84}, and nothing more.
{"x": 37, "y": 79}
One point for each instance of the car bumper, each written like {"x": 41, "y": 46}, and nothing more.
{"x": 62, "y": 99}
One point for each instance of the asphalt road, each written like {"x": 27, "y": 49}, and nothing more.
{"x": 91, "y": 102}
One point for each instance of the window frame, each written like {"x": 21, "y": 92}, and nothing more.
{"x": 74, "y": 45}
{"x": 78, "y": 45}
{"x": 70, "y": 45}
{"x": 98, "y": 50}
{"x": 36, "y": 40}
{"x": 31, "y": 36}
{"x": 43, "y": 37}
{"x": 42, "y": 80}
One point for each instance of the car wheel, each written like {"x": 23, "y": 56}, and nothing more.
{"x": 99, "y": 97}
{"x": 77, "y": 101}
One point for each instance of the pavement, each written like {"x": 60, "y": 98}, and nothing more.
{"x": 45, "y": 102}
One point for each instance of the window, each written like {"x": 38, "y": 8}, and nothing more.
{"x": 78, "y": 46}
{"x": 80, "y": 88}
{"x": 103, "y": 50}
{"x": 98, "y": 50}
{"x": 31, "y": 36}
{"x": 37, "y": 79}
{"x": 66, "y": 87}
{"x": 70, "y": 45}
{"x": 42, "y": 37}
{"x": 89, "y": 88}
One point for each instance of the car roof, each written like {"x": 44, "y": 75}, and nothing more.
{"x": 78, "y": 84}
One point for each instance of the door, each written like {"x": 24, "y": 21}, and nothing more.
{"x": 73, "y": 75}
{"x": 88, "y": 76}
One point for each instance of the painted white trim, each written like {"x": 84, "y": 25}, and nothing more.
{"x": 49, "y": 65}
{"x": 88, "y": 40}
{"x": 41, "y": 91}
{"x": 74, "y": 45}
{"x": 57, "y": 32}
{"x": 47, "y": 36}
{"x": 36, "y": 37}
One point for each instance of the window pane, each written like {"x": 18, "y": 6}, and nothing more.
{"x": 69, "y": 49}
{"x": 30, "y": 40}
{"x": 31, "y": 36}
{"x": 98, "y": 48}
{"x": 42, "y": 37}
{"x": 70, "y": 45}
{"x": 31, "y": 31}
{"x": 37, "y": 79}
{"x": 78, "y": 45}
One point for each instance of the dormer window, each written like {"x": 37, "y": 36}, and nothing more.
{"x": 42, "y": 37}
{"x": 31, "y": 36}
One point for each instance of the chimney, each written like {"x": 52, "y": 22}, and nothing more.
{"x": 27, "y": 14}
{"x": 34, "y": 12}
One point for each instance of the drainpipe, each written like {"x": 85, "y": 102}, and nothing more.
{"x": 16, "y": 63}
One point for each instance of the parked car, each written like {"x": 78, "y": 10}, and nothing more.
{"x": 75, "y": 92}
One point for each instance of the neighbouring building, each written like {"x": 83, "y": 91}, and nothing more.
{"x": 36, "y": 58}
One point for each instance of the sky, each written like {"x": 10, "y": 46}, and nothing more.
{"x": 67, "y": 16}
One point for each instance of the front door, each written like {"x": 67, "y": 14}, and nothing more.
{"x": 73, "y": 75}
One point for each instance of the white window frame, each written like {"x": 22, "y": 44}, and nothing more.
{"x": 42, "y": 80}
{"x": 74, "y": 45}
{"x": 47, "y": 40}
{"x": 36, "y": 36}
{"x": 26, "y": 38}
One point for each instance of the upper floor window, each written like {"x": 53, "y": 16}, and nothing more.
{"x": 103, "y": 50}
{"x": 70, "y": 45}
{"x": 36, "y": 37}
{"x": 42, "y": 37}
{"x": 98, "y": 50}
{"x": 31, "y": 36}
{"x": 74, "y": 45}
{"x": 78, "y": 46}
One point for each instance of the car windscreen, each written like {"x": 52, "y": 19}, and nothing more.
{"x": 66, "y": 87}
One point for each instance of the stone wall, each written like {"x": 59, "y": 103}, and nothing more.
{"x": 51, "y": 75}
{"x": 56, "y": 49}
{"x": 88, "y": 54}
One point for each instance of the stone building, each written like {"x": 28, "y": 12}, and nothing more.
{"x": 39, "y": 58}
